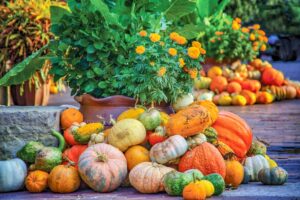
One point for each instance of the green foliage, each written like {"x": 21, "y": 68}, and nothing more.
{"x": 246, "y": 10}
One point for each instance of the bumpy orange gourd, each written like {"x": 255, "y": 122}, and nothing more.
{"x": 218, "y": 84}
{"x": 234, "y": 131}
{"x": 234, "y": 173}
{"x": 214, "y": 71}
{"x": 189, "y": 121}
{"x": 194, "y": 191}
{"x": 69, "y": 116}
{"x": 64, "y": 179}
{"x": 72, "y": 154}
{"x": 211, "y": 107}
{"x": 136, "y": 155}
{"x": 272, "y": 76}
{"x": 250, "y": 96}
{"x": 36, "y": 181}
{"x": 205, "y": 158}
{"x": 251, "y": 85}
{"x": 234, "y": 87}
{"x": 264, "y": 97}
{"x": 223, "y": 148}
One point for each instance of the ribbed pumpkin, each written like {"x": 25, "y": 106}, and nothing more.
{"x": 136, "y": 155}
{"x": 274, "y": 176}
{"x": 251, "y": 85}
{"x": 272, "y": 76}
{"x": 102, "y": 167}
{"x": 234, "y": 87}
{"x": 211, "y": 107}
{"x": 64, "y": 179}
{"x": 255, "y": 164}
{"x": 250, "y": 96}
{"x": 189, "y": 121}
{"x": 234, "y": 131}
{"x": 145, "y": 173}
{"x": 194, "y": 191}
{"x": 218, "y": 84}
{"x": 264, "y": 97}
{"x": 214, "y": 71}
{"x": 36, "y": 181}
{"x": 234, "y": 173}
{"x": 131, "y": 113}
{"x": 247, "y": 176}
{"x": 72, "y": 154}
{"x": 69, "y": 116}
{"x": 205, "y": 158}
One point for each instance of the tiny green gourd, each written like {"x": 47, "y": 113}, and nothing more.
{"x": 217, "y": 181}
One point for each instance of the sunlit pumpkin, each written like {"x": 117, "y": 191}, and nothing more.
{"x": 272, "y": 76}
{"x": 69, "y": 116}
{"x": 36, "y": 181}
{"x": 218, "y": 84}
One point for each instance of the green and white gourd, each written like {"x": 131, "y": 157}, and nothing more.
{"x": 255, "y": 164}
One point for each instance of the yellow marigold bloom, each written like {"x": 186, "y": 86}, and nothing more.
{"x": 245, "y": 30}
{"x": 172, "y": 51}
{"x": 173, "y": 36}
{"x": 140, "y": 49}
{"x": 252, "y": 37}
{"x": 181, "y": 40}
{"x": 238, "y": 20}
{"x": 263, "y": 47}
{"x": 181, "y": 62}
{"x": 256, "y": 26}
{"x": 161, "y": 72}
{"x": 193, "y": 73}
{"x": 261, "y": 32}
{"x": 235, "y": 25}
{"x": 219, "y": 33}
{"x": 143, "y": 33}
{"x": 193, "y": 52}
{"x": 154, "y": 37}
{"x": 162, "y": 44}
{"x": 152, "y": 63}
{"x": 196, "y": 44}
{"x": 202, "y": 51}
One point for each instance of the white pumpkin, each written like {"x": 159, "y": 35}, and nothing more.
{"x": 206, "y": 96}
{"x": 255, "y": 164}
{"x": 183, "y": 101}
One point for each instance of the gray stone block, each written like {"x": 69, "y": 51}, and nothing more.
{"x": 19, "y": 125}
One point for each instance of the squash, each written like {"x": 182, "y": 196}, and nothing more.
{"x": 234, "y": 173}
{"x": 211, "y": 107}
{"x": 174, "y": 182}
{"x": 272, "y": 76}
{"x": 255, "y": 74}
{"x": 136, "y": 155}
{"x": 83, "y": 133}
{"x": 291, "y": 92}
{"x": 211, "y": 134}
{"x": 224, "y": 100}
{"x": 247, "y": 176}
{"x": 164, "y": 118}
{"x": 214, "y": 71}
{"x": 251, "y": 85}
{"x": 217, "y": 181}
{"x": 264, "y": 97}
{"x": 202, "y": 82}
{"x": 273, "y": 176}
{"x": 150, "y": 119}
{"x": 96, "y": 138}
{"x": 29, "y": 151}
{"x": 159, "y": 135}
{"x": 234, "y": 131}
{"x": 12, "y": 174}
{"x": 64, "y": 179}
{"x": 103, "y": 167}
{"x": 234, "y": 87}
{"x": 36, "y": 181}
{"x": 126, "y": 133}
{"x": 255, "y": 164}
{"x": 183, "y": 101}
{"x": 257, "y": 147}
{"x": 69, "y": 116}
{"x": 71, "y": 155}
{"x": 250, "y": 96}
{"x": 205, "y": 158}
{"x": 206, "y": 96}
{"x": 218, "y": 84}
{"x": 189, "y": 121}
{"x": 209, "y": 187}
{"x": 174, "y": 147}
{"x": 69, "y": 137}
{"x": 272, "y": 163}
{"x": 194, "y": 191}
{"x": 239, "y": 100}
{"x": 146, "y": 172}
{"x": 195, "y": 140}
{"x": 131, "y": 113}
{"x": 223, "y": 148}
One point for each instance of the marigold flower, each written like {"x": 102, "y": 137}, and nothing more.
{"x": 212, "y": 40}
{"x": 238, "y": 20}
{"x": 255, "y": 47}
{"x": 245, "y": 30}
{"x": 261, "y": 38}
{"x": 152, "y": 63}
{"x": 173, "y": 36}
{"x": 181, "y": 62}
{"x": 193, "y": 73}
{"x": 263, "y": 47}
{"x": 235, "y": 25}
{"x": 261, "y": 32}
{"x": 161, "y": 72}
{"x": 172, "y": 51}
{"x": 256, "y": 43}
{"x": 252, "y": 37}
{"x": 140, "y": 49}
{"x": 193, "y": 52}
{"x": 181, "y": 40}
{"x": 256, "y": 26}
{"x": 162, "y": 44}
{"x": 202, "y": 51}
{"x": 154, "y": 37}
{"x": 143, "y": 33}
{"x": 196, "y": 44}
{"x": 218, "y": 33}
{"x": 265, "y": 39}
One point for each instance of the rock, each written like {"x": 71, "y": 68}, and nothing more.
{"x": 18, "y": 125}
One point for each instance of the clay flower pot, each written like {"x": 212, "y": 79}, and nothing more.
{"x": 92, "y": 107}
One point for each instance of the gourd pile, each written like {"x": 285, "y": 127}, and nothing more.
{"x": 245, "y": 84}
{"x": 196, "y": 152}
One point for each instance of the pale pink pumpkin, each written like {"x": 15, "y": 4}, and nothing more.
{"x": 102, "y": 167}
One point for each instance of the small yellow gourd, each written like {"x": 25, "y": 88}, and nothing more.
{"x": 239, "y": 100}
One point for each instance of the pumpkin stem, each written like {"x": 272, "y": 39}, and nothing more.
{"x": 229, "y": 156}
{"x": 101, "y": 119}
{"x": 112, "y": 120}
{"x": 262, "y": 141}
{"x": 102, "y": 158}
{"x": 136, "y": 101}
{"x": 70, "y": 162}
{"x": 152, "y": 104}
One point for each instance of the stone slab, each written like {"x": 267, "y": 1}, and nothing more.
{"x": 18, "y": 125}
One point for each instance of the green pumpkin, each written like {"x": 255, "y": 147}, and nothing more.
{"x": 217, "y": 181}
{"x": 211, "y": 134}
{"x": 174, "y": 181}
{"x": 29, "y": 151}
{"x": 202, "y": 83}
{"x": 273, "y": 176}
{"x": 255, "y": 164}
{"x": 257, "y": 148}
{"x": 247, "y": 176}
{"x": 150, "y": 119}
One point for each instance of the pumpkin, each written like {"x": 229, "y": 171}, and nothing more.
{"x": 291, "y": 92}
{"x": 195, "y": 140}
{"x": 69, "y": 116}
{"x": 234, "y": 87}
{"x": 159, "y": 135}
{"x": 71, "y": 155}
{"x": 64, "y": 179}
{"x": 250, "y": 97}
{"x": 257, "y": 147}
{"x": 239, "y": 100}
{"x": 126, "y": 133}
{"x": 223, "y": 148}
{"x": 273, "y": 176}
{"x": 96, "y": 138}
{"x": 210, "y": 134}
{"x": 131, "y": 113}
{"x": 211, "y": 107}
{"x": 174, "y": 182}
{"x": 208, "y": 96}
{"x": 189, "y": 121}
{"x": 255, "y": 164}
{"x": 146, "y": 172}
{"x": 214, "y": 71}
{"x": 255, "y": 74}
{"x": 217, "y": 181}
{"x": 205, "y": 158}
{"x": 272, "y": 163}
{"x": 224, "y": 100}
{"x": 150, "y": 119}
{"x": 272, "y": 76}
{"x": 36, "y": 181}
{"x": 194, "y": 191}
{"x": 136, "y": 155}
{"x": 202, "y": 82}
{"x": 234, "y": 173}
{"x": 247, "y": 175}
{"x": 103, "y": 167}
{"x": 209, "y": 187}
{"x": 251, "y": 85}
{"x": 183, "y": 101}
{"x": 174, "y": 147}
{"x": 233, "y": 131}
{"x": 164, "y": 118}
{"x": 264, "y": 97}
{"x": 12, "y": 174}
{"x": 218, "y": 84}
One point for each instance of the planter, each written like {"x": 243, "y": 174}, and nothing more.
{"x": 92, "y": 107}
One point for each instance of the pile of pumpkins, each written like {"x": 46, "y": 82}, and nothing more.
{"x": 245, "y": 84}
{"x": 195, "y": 153}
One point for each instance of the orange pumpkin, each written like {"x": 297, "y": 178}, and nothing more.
{"x": 194, "y": 191}
{"x": 36, "y": 181}
{"x": 272, "y": 76}
{"x": 214, "y": 71}
{"x": 234, "y": 131}
{"x": 69, "y": 116}
{"x": 291, "y": 92}
{"x": 250, "y": 96}
{"x": 72, "y": 154}
{"x": 237, "y": 79}
{"x": 251, "y": 85}
{"x": 204, "y": 157}
{"x": 218, "y": 84}
{"x": 136, "y": 155}
{"x": 234, "y": 87}
{"x": 256, "y": 63}
{"x": 264, "y": 97}
{"x": 211, "y": 107}
{"x": 234, "y": 173}
{"x": 64, "y": 179}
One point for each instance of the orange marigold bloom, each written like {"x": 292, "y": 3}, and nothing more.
{"x": 172, "y": 51}
{"x": 181, "y": 62}
{"x": 219, "y": 33}
{"x": 255, "y": 47}
{"x": 235, "y": 25}
{"x": 263, "y": 47}
{"x": 202, "y": 51}
{"x": 245, "y": 30}
{"x": 193, "y": 73}
{"x": 193, "y": 52}
{"x": 154, "y": 37}
{"x": 212, "y": 40}
{"x": 161, "y": 72}
{"x": 261, "y": 32}
{"x": 140, "y": 49}
{"x": 238, "y": 20}
{"x": 143, "y": 33}
{"x": 256, "y": 26}
{"x": 173, "y": 36}
{"x": 252, "y": 37}
{"x": 265, "y": 39}
{"x": 196, "y": 44}
{"x": 255, "y": 43}
{"x": 181, "y": 40}
{"x": 261, "y": 38}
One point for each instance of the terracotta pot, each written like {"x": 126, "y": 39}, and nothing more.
{"x": 31, "y": 96}
{"x": 92, "y": 107}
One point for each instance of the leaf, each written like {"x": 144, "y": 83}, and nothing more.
{"x": 179, "y": 8}
{"x": 90, "y": 49}
{"x": 25, "y": 69}
{"x": 57, "y": 13}
{"x": 98, "y": 45}
{"x": 205, "y": 7}
{"x": 109, "y": 17}
{"x": 191, "y": 31}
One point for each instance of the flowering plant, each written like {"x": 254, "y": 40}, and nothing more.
{"x": 163, "y": 67}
